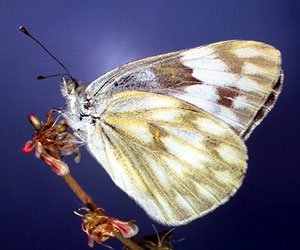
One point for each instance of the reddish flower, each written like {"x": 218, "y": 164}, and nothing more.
{"x": 99, "y": 228}
{"x": 50, "y": 140}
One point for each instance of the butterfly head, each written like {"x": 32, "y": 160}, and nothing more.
{"x": 73, "y": 91}
{"x": 71, "y": 87}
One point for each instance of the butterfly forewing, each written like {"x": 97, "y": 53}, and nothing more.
{"x": 235, "y": 81}
{"x": 177, "y": 161}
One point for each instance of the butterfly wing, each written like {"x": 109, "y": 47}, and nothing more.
{"x": 175, "y": 160}
{"x": 235, "y": 81}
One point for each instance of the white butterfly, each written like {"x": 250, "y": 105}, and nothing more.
{"x": 170, "y": 129}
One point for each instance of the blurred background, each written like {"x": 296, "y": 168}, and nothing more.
{"x": 92, "y": 37}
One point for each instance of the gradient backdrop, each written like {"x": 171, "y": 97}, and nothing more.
{"x": 91, "y": 37}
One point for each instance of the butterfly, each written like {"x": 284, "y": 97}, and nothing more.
{"x": 170, "y": 129}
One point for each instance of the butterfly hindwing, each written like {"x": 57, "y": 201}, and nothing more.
{"x": 236, "y": 81}
{"x": 175, "y": 160}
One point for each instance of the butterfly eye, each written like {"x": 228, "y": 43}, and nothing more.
{"x": 71, "y": 86}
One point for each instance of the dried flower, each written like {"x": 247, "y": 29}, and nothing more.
{"x": 99, "y": 227}
{"x": 50, "y": 140}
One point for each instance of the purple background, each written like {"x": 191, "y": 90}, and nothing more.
{"x": 91, "y": 37}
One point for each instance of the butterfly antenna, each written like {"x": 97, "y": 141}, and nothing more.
{"x": 49, "y": 76}
{"x": 22, "y": 29}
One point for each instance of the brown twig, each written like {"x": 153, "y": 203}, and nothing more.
{"x": 80, "y": 193}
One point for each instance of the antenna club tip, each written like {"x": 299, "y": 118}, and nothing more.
{"x": 22, "y": 29}
{"x": 41, "y": 77}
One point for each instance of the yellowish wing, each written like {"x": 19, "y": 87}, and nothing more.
{"x": 175, "y": 160}
{"x": 242, "y": 79}
{"x": 236, "y": 81}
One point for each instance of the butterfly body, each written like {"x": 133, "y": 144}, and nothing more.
{"x": 169, "y": 129}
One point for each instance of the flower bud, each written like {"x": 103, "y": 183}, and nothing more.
{"x": 28, "y": 146}
{"x": 34, "y": 120}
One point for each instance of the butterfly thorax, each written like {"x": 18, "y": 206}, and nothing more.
{"x": 77, "y": 111}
